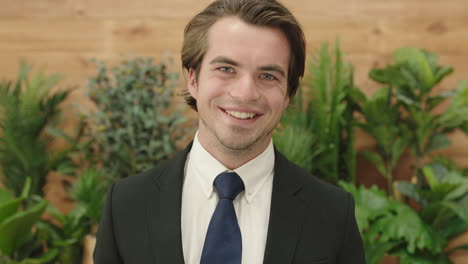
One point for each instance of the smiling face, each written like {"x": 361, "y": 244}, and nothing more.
{"x": 241, "y": 88}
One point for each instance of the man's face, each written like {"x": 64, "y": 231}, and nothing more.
{"x": 241, "y": 89}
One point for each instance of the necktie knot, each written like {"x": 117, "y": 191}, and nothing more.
{"x": 228, "y": 185}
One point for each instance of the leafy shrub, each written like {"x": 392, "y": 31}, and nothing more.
{"x": 18, "y": 243}
{"x": 136, "y": 124}
{"x": 317, "y": 132}
{"x": 29, "y": 113}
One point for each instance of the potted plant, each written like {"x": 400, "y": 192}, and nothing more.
{"x": 135, "y": 125}
{"x": 317, "y": 131}
{"x": 19, "y": 243}
{"x": 29, "y": 113}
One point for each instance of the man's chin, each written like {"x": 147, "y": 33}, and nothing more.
{"x": 238, "y": 144}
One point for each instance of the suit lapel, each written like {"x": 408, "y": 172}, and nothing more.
{"x": 164, "y": 214}
{"x": 286, "y": 214}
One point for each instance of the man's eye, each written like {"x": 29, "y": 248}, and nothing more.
{"x": 226, "y": 69}
{"x": 267, "y": 76}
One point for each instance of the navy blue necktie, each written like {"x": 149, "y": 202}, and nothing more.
{"x": 223, "y": 242}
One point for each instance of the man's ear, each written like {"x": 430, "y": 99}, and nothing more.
{"x": 192, "y": 83}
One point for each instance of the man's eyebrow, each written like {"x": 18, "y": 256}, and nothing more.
{"x": 273, "y": 67}
{"x": 222, "y": 59}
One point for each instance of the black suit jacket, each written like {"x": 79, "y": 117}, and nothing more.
{"x": 310, "y": 221}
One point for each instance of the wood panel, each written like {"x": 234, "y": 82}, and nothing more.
{"x": 63, "y": 35}
{"x": 332, "y": 9}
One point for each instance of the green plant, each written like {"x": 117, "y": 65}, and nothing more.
{"x": 18, "y": 243}
{"x": 413, "y": 78}
{"x": 29, "y": 113}
{"x": 67, "y": 236}
{"x": 442, "y": 193}
{"x": 317, "y": 132}
{"x": 400, "y": 116}
{"x": 89, "y": 192}
{"x": 389, "y": 227}
{"x": 136, "y": 124}
{"x": 383, "y": 121}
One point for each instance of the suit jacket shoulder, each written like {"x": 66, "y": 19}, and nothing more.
{"x": 141, "y": 217}
{"x": 311, "y": 221}
{"x": 314, "y": 220}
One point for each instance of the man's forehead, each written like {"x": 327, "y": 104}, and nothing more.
{"x": 232, "y": 40}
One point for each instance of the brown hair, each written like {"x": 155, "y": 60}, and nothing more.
{"x": 268, "y": 13}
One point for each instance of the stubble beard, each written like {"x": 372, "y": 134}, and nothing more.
{"x": 239, "y": 145}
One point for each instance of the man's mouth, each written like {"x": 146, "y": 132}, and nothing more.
{"x": 241, "y": 115}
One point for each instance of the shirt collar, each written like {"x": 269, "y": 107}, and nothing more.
{"x": 254, "y": 173}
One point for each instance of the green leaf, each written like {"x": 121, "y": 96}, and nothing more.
{"x": 296, "y": 144}
{"x": 43, "y": 259}
{"x": 377, "y": 160}
{"x": 5, "y": 196}
{"x": 437, "y": 141}
{"x": 26, "y": 188}
{"x": 9, "y": 208}
{"x": 434, "y": 101}
{"x": 430, "y": 177}
{"x": 357, "y": 96}
{"x": 407, "y": 225}
{"x": 420, "y": 62}
{"x": 15, "y": 229}
{"x": 370, "y": 204}
{"x": 398, "y": 147}
{"x": 456, "y": 115}
{"x": 409, "y": 190}
{"x": 459, "y": 192}
{"x": 442, "y": 72}
{"x": 376, "y": 250}
{"x": 460, "y": 209}
{"x": 53, "y": 131}
{"x": 390, "y": 75}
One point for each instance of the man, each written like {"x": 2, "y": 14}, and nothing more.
{"x": 230, "y": 197}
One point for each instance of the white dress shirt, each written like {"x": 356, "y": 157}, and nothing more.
{"x": 252, "y": 206}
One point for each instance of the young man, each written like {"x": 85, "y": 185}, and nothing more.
{"x": 230, "y": 197}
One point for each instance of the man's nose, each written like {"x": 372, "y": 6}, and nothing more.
{"x": 246, "y": 89}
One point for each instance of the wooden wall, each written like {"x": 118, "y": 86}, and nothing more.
{"x": 63, "y": 35}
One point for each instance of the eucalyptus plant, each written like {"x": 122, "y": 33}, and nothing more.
{"x": 317, "y": 131}
{"x": 136, "y": 124}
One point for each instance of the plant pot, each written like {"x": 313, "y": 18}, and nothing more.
{"x": 89, "y": 243}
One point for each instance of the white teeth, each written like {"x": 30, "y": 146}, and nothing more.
{"x": 241, "y": 115}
